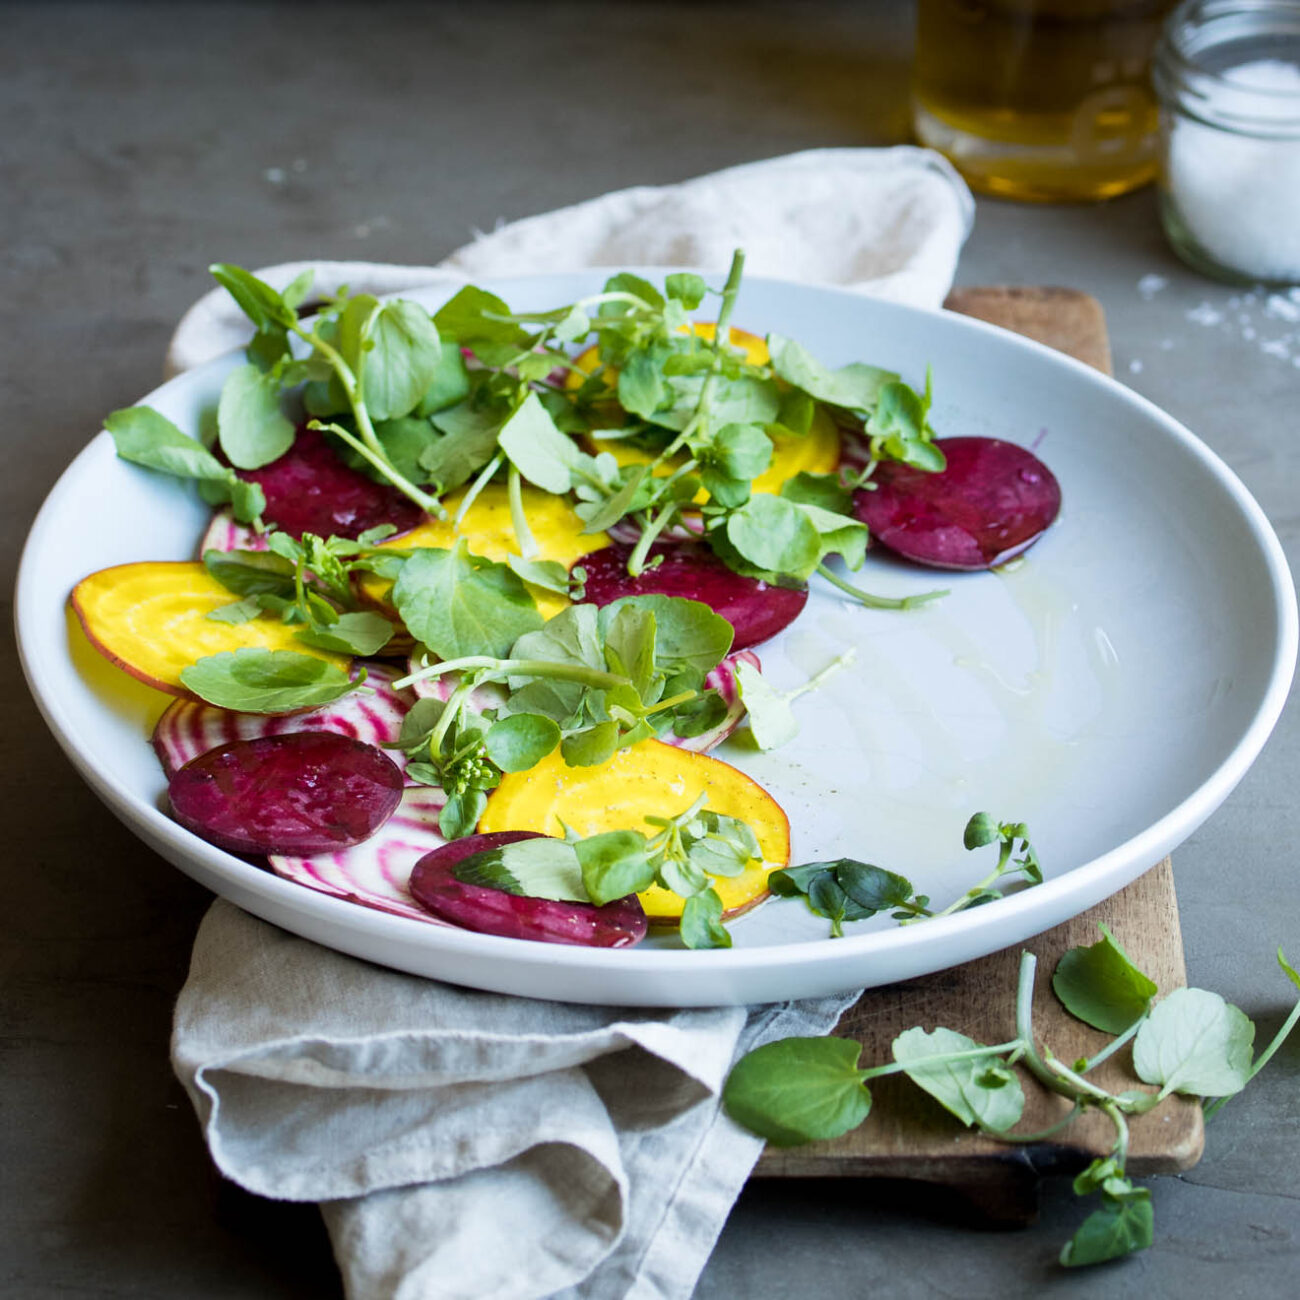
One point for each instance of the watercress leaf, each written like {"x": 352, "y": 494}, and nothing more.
{"x": 742, "y": 451}
{"x": 626, "y": 282}
{"x": 796, "y": 411}
{"x": 252, "y": 428}
{"x": 1100, "y": 985}
{"x": 614, "y": 865}
{"x": 574, "y": 326}
{"x": 550, "y": 575}
{"x": 255, "y": 680}
{"x": 696, "y": 716}
{"x": 145, "y": 437}
{"x": 461, "y": 812}
{"x": 294, "y": 294}
{"x": 239, "y": 611}
{"x": 681, "y": 876}
{"x": 641, "y": 387}
{"x": 251, "y": 573}
{"x": 247, "y": 500}
{"x": 822, "y": 490}
{"x": 798, "y": 1090}
{"x": 687, "y": 288}
{"x": 790, "y": 882}
{"x": 400, "y": 361}
{"x": 591, "y": 747}
{"x": 775, "y": 535}
{"x": 632, "y": 495}
{"x": 536, "y": 868}
{"x": 471, "y": 314}
{"x": 872, "y": 887}
{"x": 1121, "y": 1226}
{"x": 689, "y": 636}
{"x": 541, "y": 453}
{"x": 1195, "y": 1043}
{"x": 899, "y": 430}
{"x": 365, "y": 633}
{"x": 982, "y": 829}
{"x": 521, "y": 740}
{"x": 469, "y": 441}
{"x": 460, "y": 604}
{"x": 630, "y": 641}
{"x": 856, "y": 387}
{"x": 961, "y": 1087}
{"x": 571, "y": 637}
{"x": 701, "y": 923}
{"x": 715, "y": 857}
{"x": 419, "y": 722}
{"x": 405, "y": 441}
{"x": 771, "y": 719}
{"x": 837, "y": 535}
{"x": 827, "y": 899}
{"x": 255, "y": 298}
{"x": 450, "y": 383}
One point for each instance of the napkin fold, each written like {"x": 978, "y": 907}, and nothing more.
{"x": 467, "y": 1144}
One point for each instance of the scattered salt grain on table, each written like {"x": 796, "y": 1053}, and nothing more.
{"x": 1237, "y": 194}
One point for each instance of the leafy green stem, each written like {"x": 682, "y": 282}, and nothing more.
{"x": 1113, "y": 1046}
{"x": 1025, "y": 1029}
{"x": 481, "y": 480}
{"x": 878, "y": 602}
{"x": 430, "y": 505}
{"x": 488, "y": 669}
{"x": 974, "y": 1054}
{"x": 518, "y": 519}
{"x": 636, "y": 561}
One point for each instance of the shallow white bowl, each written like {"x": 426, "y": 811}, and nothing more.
{"x": 1110, "y": 690}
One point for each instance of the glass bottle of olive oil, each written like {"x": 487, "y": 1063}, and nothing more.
{"x": 1040, "y": 99}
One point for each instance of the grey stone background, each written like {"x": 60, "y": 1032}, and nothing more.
{"x": 139, "y": 142}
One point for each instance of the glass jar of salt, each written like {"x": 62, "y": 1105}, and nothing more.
{"x": 1227, "y": 74}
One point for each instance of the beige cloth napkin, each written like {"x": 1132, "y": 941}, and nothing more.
{"x": 471, "y": 1146}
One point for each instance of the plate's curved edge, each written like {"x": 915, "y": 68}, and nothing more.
{"x": 832, "y": 965}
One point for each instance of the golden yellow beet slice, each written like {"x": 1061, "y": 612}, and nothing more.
{"x": 650, "y": 778}
{"x": 489, "y": 532}
{"x": 151, "y": 620}
{"x": 816, "y": 452}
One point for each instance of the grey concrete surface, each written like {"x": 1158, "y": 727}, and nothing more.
{"x": 142, "y": 141}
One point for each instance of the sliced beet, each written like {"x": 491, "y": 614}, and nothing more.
{"x": 756, "y": 609}
{"x": 992, "y": 501}
{"x": 376, "y": 872}
{"x": 310, "y": 490}
{"x": 301, "y": 793}
{"x": 493, "y": 911}
{"x": 373, "y": 714}
{"x": 224, "y": 534}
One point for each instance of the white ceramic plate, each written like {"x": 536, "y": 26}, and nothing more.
{"x": 1110, "y": 690}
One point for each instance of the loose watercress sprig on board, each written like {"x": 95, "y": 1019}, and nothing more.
{"x": 1191, "y": 1042}
{"x": 684, "y": 855}
{"x": 848, "y": 890}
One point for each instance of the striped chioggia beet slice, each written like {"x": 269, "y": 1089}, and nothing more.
{"x": 304, "y": 792}
{"x": 372, "y": 714}
{"x": 224, "y": 534}
{"x": 377, "y": 872}
{"x": 992, "y": 501}
{"x": 755, "y": 609}
{"x": 723, "y": 680}
{"x": 487, "y": 910}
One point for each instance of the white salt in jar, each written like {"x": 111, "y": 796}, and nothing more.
{"x": 1227, "y": 73}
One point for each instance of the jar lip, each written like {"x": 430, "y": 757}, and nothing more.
{"x": 1216, "y": 97}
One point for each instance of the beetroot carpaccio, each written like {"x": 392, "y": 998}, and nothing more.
{"x": 512, "y": 916}
{"x": 300, "y": 793}
{"x": 992, "y": 501}
{"x": 756, "y": 609}
{"x": 310, "y": 490}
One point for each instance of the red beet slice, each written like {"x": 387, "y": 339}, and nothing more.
{"x": 310, "y": 490}
{"x": 374, "y": 714}
{"x": 301, "y": 793}
{"x": 756, "y": 609}
{"x": 992, "y": 501}
{"x": 493, "y": 911}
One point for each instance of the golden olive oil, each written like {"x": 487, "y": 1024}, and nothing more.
{"x": 1040, "y": 99}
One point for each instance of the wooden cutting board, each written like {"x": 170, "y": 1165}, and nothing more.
{"x": 910, "y": 1136}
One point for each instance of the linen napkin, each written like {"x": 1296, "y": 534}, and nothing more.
{"x": 476, "y": 1146}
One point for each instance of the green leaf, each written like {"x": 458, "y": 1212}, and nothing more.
{"x": 687, "y": 288}
{"x": 541, "y": 453}
{"x": 982, "y": 829}
{"x": 689, "y": 636}
{"x": 145, "y": 437}
{"x": 822, "y": 490}
{"x": 1123, "y": 1225}
{"x": 571, "y": 637}
{"x": 591, "y": 747}
{"x": 1194, "y": 1043}
{"x": 966, "y": 1088}
{"x": 254, "y": 680}
{"x": 798, "y": 1090}
{"x": 237, "y": 612}
{"x": 771, "y": 719}
{"x": 468, "y": 442}
{"x": 365, "y": 633}
{"x": 247, "y": 500}
{"x": 626, "y": 282}
{"x": 1100, "y": 985}
{"x": 873, "y": 888}
{"x": 253, "y": 429}
{"x": 255, "y": 298}
{"x": 401, "y": 361}
{"x": 775, "y": 535}
{"x": 469, "y": 316}
{"x": 856, "y": 387}
{"x": 550, "y": 575}
{"x": 614, "y": 865}
{"x": 460, "y": 813}
{"x": 294, "y": 294}
{"x": 535, "y": 868}
{"x": 521, "y": 740}
{"x": 460, "y": 604}
{"x": 450, "y": 383}
{"x": 641, "y": 388}
{"x": 251, "y": 573}
{"x": 701, "y": 923}
{"x": 899, "y": 430}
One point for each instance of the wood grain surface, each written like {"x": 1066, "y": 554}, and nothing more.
{"x": 910, "y": 1136}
